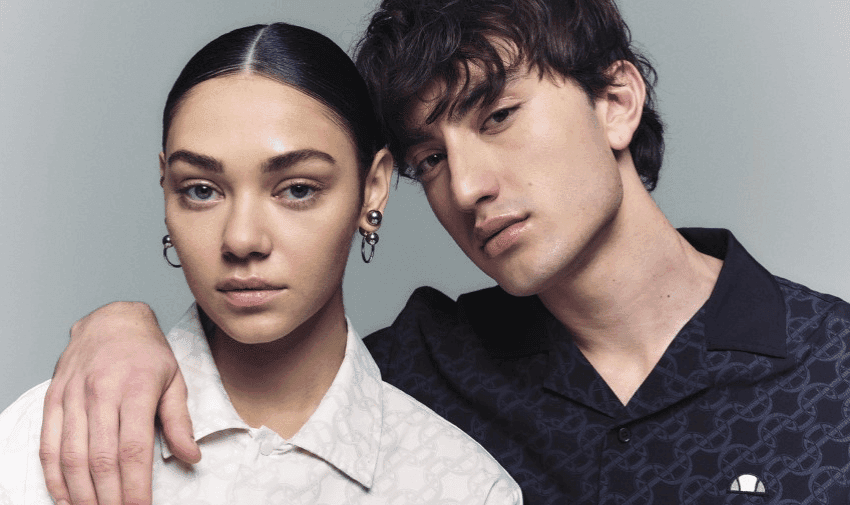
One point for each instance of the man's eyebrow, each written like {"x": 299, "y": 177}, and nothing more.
{"x": 274, "y": 164}
{"x": 199, "y": 160}
{"x": 414, "y": 136}
{"x": 286, "y": 160}
{"x": 484, "y": 89}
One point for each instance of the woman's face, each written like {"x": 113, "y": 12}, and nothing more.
{"x": 262, "y": 196}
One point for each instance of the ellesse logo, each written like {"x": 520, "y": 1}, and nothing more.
{"x": 747, "y": 484}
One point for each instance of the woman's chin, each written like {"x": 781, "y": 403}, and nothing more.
{"x": 253, "y": 329}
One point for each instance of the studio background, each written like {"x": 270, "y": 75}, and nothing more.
{"x": 754, "y": 95}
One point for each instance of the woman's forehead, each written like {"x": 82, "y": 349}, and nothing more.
{"x": 241, "y": 110}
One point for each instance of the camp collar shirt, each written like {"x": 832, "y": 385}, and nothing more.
{"x": 750, "y": 403}
{"x": 366, "y": 443}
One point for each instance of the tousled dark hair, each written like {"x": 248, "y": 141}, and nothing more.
{"x": 297, "y": 57}
{"x": 411, "y": 44}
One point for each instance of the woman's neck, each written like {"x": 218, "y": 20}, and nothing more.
{"x": 281, "y": 383}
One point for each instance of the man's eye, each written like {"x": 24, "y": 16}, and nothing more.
{"x": 495, "y": 119}
{"x": 433, "y": 160}
{"x": 500, "y": 115}
{"x": 427, "y": 164}
{"x": 200, "y": 193}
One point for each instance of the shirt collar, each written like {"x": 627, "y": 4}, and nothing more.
{"x": 345, "y": 429}
{"x": 746, "y": 309}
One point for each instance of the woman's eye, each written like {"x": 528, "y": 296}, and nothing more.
{"x": 298, "y": 192}
{"x": 200, "y": 193}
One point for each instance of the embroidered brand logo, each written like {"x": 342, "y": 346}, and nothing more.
{"x": 747, "y": 484}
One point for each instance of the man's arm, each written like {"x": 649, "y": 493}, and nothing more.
{"x": 115, "y": 376}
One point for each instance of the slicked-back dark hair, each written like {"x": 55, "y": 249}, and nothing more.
{"x": 294, "y": 56}
{"x": 411, "y": 44}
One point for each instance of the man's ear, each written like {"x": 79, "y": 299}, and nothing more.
{"x": 620, "y": 107}
{"x": 376, "y": 187}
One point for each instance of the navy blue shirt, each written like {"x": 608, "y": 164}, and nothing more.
{"x": 750, "y": 403}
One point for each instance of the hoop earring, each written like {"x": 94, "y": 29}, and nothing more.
{"x": 373, "y": 217}
{"x": 166, "y": 244}
{"x": 370, "y": 238}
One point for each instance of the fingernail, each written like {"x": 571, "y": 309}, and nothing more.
{"x": 63, "y": 502}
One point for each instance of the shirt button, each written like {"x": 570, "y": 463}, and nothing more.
{"x": 624, "y": 435}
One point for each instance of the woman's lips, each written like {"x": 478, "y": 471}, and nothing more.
{"x": 242, "y": 298}
{"x": 250, "y": 292}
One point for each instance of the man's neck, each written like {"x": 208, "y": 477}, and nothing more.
{"x": 626, "y": 303}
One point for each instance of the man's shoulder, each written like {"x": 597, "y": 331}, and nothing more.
{"x": 427, "y": 310}
{"x": 814, "y": 319}
{"x": 815, "y": 301}
{"x": 429, "y": 314}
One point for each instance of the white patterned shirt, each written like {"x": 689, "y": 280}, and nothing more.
{"x": 366, "y": 443}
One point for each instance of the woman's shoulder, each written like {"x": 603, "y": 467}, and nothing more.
{"x": 21, "y": 479}
{"x": 24, "y": 411}
{"x": 416, "y": 441}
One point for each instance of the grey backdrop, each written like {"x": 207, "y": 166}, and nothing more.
{"x": 754, "y": 95}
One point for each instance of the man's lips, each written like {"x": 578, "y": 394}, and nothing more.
{"x": 497, "y": 234}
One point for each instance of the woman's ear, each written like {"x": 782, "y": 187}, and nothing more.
{"x": 620, "y": 107}
{"x": 161, "y": 169}
{"x": 376, "y": 188}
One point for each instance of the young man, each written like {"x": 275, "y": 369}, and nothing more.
{"x": 618, "y": 361}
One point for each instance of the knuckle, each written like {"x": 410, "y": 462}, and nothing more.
{"x": 73, "y": 462}
{"x": 132, "y": 452}
{"x": 94, "y": 388}
{"x": 54, "y": 395}
{"x": 48, "y": 456}
{"x": 103, "y": 464}
{"x": 77, "y": 327}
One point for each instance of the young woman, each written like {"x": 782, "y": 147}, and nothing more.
{"x": 271, "y": 161}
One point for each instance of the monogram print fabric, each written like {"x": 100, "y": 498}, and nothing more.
{"x": 749, "y": 404}
{"x": 367, "y": 443}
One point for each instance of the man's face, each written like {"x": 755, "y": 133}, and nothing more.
{"x": 528, "y": 186}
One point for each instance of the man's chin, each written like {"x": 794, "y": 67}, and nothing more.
{"x": 519, "y": 285}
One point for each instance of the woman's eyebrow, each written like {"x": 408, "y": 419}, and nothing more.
{"x": 286, "y": 160}
{"x": 198, "y": 160}
{"x": 274, "y": 164}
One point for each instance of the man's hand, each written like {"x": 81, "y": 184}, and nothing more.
{"x": 97, "y": 438}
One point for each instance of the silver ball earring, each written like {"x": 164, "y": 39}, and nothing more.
{"x": 374, "y": 217}
{"x": 166, "y": 245}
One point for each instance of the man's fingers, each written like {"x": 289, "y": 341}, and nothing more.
{"x": 176, "y": 423}
{"x": 74, "y": 457}
{"x": 103, "y": 450}
{"x": 51, "y": 443}
{"x": 135, "y": 447}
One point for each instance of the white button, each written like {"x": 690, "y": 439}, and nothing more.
{"x": 266, "y": 447}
